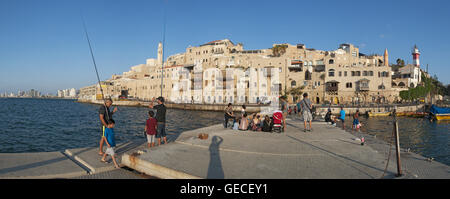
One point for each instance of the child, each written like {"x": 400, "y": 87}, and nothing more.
{"x": 356, "y": 124}
{"x": 150, "y": 129}
{"x": 236, "y": 124}
{"x": 110, "y": 142}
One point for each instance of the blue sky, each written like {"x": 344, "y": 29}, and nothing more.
{"x": 42, "y": 43}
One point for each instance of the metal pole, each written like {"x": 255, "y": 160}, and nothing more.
{"x": 397, "y": 145}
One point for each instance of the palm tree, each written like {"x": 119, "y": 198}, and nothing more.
{"x": 296, "y": 92}
{"x": 278, "y": 50}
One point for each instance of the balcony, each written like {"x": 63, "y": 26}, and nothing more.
{"x": 362, "y": 85}
{"x": 332, "y": 86}
{"x": 295, "y": 68}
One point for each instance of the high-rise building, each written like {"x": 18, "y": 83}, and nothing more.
{"x": 72, "y": 92}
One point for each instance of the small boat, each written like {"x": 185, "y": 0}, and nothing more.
{"x": 401, "y": 114}
{"x": 440, "y": 113}
{"x": 442, "y": 117}
{"x": 418, "y": 114}
{"x": 379, "y": 114}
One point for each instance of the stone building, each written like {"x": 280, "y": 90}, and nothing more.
{"x": 221, "y": 72}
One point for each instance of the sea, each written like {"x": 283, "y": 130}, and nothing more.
{"x": 45, "y": 125}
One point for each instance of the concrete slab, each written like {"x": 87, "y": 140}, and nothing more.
{"x": 38, "y": 165}
{"x": 89, "y": 156}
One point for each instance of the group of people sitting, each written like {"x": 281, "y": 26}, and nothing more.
{"x": 244, "y": 122}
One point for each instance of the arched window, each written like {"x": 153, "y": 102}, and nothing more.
{"x": 331, "y": 73}
{"x": 331, "y": 61}
{"x": 394, "y": 84}
{"x": 293, "y": 83}
{"x": 308, "y": 75}
{"x": 401, "y": 84}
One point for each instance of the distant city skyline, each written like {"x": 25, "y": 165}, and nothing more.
{"x": 71, "y": 92}
{"x": 43, "y": 46}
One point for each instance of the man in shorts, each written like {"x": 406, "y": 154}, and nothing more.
{"x": 160, "y": 118}
{"x": 105, "y": 116}
{"x": 342, "y": 117}
{"x": 306, "y": 107}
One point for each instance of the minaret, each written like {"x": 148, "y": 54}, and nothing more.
{"x": 416, "y": 55}
{"x": 386, "y": 57}
{"x": 160, "y": 53}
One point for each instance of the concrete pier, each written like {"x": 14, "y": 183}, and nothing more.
{"x": 81, "y": 163}
{"x": 326, "y": 153}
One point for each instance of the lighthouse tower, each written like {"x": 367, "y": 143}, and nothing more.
{"x": 416, "y": 55}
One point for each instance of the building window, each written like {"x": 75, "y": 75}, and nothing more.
{"x": 353, "y": 73}
{"x": 331, "y": 73}
{"x": 365, "y": 73}
{"x": 358, "y": 73}
{"x": 331, "y": 61}
{"x": 345, "y": 73}
{"x": 340, "y": 73}
{"x": 348, "y": 85}
{"x": 370, "y": 73}
{"x": 293, "y": 84}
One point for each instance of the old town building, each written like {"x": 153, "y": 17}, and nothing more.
{"x": 221, "y": 72}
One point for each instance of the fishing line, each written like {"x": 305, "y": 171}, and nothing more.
{"x": 95, "y": 66}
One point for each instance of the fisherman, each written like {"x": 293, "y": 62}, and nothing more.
{"x": 160, "y": 119}
{"x": 105, "y": 117}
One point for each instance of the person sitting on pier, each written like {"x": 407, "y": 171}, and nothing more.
{"x": 329, "y": 117}
{"x": 267, "y": 124}
{"x": 243, "y": 126}
{"x": 228, "y": 115}
{"x": 256, "y": 123}
{"x": 236, "y": 124}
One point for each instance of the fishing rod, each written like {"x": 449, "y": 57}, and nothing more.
{"x": 163, "y": 48}
{"x": 95, "y": 66}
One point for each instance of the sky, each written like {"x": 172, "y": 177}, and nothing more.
{"x": 43, "y": 45}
